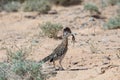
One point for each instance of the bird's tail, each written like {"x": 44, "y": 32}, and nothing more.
{"x": 45, "y": 59}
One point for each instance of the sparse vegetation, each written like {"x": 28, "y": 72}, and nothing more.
{"x": 91, "y": 7}
{"x": 113, "y": 23}
{"x": 41, "y": 6}
{"x": 94, "y": 52}
{"x": 3, "y": 74}
{"x": 49, "y": 29}
{"x": 18, "y": 68}
{"x": 12, "y": 6}
{"x": 66, "y": 2}
{"x": 113, "y": 2}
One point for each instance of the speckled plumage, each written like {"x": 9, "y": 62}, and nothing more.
{"x": 60, "y": 51}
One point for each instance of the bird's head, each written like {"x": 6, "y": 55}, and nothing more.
{"x": 67, "y": 32}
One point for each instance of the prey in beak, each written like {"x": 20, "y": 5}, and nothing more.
{"x": 67, "y": 29}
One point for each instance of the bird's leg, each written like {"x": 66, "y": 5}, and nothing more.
{"x": 61, "y": 68}
{"x": 54, "y": 64}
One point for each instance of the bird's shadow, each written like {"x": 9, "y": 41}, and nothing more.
{"x": 77, "y": 69}
{"x": 57, "y": 70}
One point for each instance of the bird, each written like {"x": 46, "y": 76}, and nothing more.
{"x": 60, "y": 51}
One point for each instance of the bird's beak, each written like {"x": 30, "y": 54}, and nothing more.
{"x": 73, "y": 37}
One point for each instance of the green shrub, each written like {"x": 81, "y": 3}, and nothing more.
{"x": 2, "y": 72}
{"x": 51, "y": 30}
{"x": 13, "y": 6}
{"x": 18, "y": 59}
{"x": 91, "y": 7}
{"x": 19, "y": 54}
{"x": 113, "y": 23}
{"x": 2, "y": 2}
{"x": 34, "y": 71}
{"x": 113, "y": 2}
{"x": 41, "y": 6}
{"x": 20, "y": 67}
{"x": 30, "y": 68}
{"x": 66, "y": 2}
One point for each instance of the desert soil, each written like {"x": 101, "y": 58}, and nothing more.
{"x": 94, "y": 56}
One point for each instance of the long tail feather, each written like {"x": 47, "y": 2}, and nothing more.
{"x": 46, "y": 59}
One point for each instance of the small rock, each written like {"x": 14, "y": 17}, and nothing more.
{"x": 91, "y": 19}
{"x": 52, "y": 12}
{"x": 74, "y": 63}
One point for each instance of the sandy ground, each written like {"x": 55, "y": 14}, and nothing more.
{"x": 95, "y": 55}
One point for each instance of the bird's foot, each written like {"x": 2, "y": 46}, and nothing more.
{"x": 59, "y": 69}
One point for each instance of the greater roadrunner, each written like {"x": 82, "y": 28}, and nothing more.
{"x": 60, "y": 51}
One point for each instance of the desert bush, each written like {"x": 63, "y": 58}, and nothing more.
{"x": 23, "y": 67}
{"x": 113, "y": 2}
{"x": 19, "y": 68}
{"x": 41, "y": 6}
{"x": 34, "y": 71}
{"x": 91, "y": 7}
{"x": 51, "y": 29}
{"x": 6, "y": 1}
{"x": 3, "y": 75}
{"x": 19, "y": 54}
{"x": 66, "y": 2}
{"x": 29, "y": 68}
{"x": 113, "y": 23}
{"x": 13, "y": 6}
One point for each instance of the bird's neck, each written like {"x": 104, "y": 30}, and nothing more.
{"x": 65, "y": 41}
